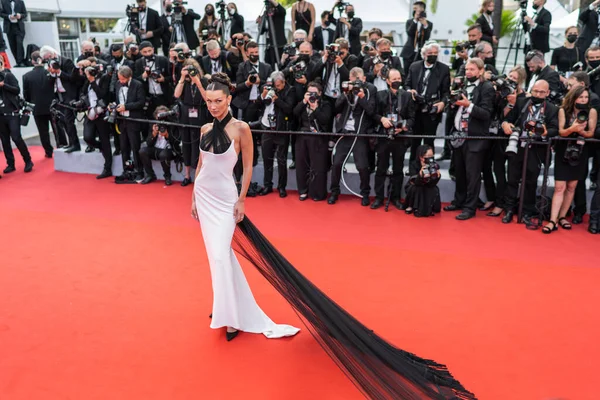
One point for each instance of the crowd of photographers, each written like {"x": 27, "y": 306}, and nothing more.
{"x": 327, "y": 81}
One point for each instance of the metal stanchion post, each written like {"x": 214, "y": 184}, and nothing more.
{"x": 522, "y": 187}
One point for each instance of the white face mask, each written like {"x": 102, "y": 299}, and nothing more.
{"x": 231, "y": 11}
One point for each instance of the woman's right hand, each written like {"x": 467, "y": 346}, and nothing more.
{"x": 184, "y": 72}
{"x": 194, "y": 210}
{"x": 578, "y": 127}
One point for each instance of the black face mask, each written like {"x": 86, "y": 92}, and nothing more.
{"x": 149, "y": 58}
{"x": 489, "y": 60}
{"x": 488, "y": 12}
{"x": 472, "y": 79}
{"x": 351, "y": 14}
{"x": 537, "y": 100}
{"x": 169, "y": 8}
{"x": 582, "y": 106}
{"x": 385, "y": 55}
{"x": 431, "y": 59}
{"x": 210, "y": 12}
{"x": 88, "y": 54}
{"x": 572, "y": 38}
{"x": 396, "y": 85}
{"x": 472, "y": 42}
{"x": 253, "y": 58}
{"x": 535, "y": 6}
{"x": 118, "y": 59}
{"x": 304, "y": 57}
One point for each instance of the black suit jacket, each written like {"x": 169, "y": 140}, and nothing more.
{"x": 7, "y": 11}
{"x": 486, "y": 30}
{"x": 356, "y": 27}
{"x": 439, "y": 80}
{"x": 188, "y": 27}
{"x": 540, "y": 36}
{"x": 518, "y": 115}
{"x": 300, "y": 89}
{"x": 237, "y": 25}
{"x": 406, "y": 106}
{"x": 320, "y": 119}
{"x": 411, "y": 33}
{"x": 368, "y": 67}
{"x": 136, "y": 98}
{"x": 69, "y": 77}
{"x": 317, "y": 42}
{"x": 589, "y": 20}
{"x": 166, "y": 34}
{"x": 154, "y": 24}
{"x": 278, "y": 25}
{"x": 483, "y": 99}
{"x": 242, "y": 92}
{"x": 324, "y": 70}
{"x": 552, "y": 77}
{"x": 206, "y": 64}
{"x": 100, "y": 87}
{"x": 10, "y": 91}
{"x": 284, "y": 107}
{"x": 161, "y": 64}
{"x": 38, "y": 89}
{"x": 363, "y": 113}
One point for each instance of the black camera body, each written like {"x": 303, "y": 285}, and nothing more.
{"x": 290, "y": 49}
{"x": 299, "y": 69}
{"x": 333, "y": 50}
{"x": 53, "y": 63}
{"x": 253, "y": 78}
{"x": 192, "y": 71}
{"x": 357, "y": 86}
{"x": 534, "y": 128}
{"x": 26, "y": 111}
{"x": 556, "y": 97}
{"x": 431, "y": 168}
{"x": 152, "y": 73}
{"x": 573, "y": 151}
{"x": 170, "y": 116}
{"x": 111, "y": 113}
{"x": 93, "y": 71}
{"x": 341, "y": 6}
{"x": 178, "y": 6}
{"x": 461, "y": 46}
{"x": 426, "y": 106}
{"x": 80, "y": 105}
{"x": 133, "y": 14}
{"x": 313, "y": 98}
{"x": 505, "y": 87}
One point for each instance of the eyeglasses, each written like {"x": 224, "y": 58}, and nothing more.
{"x": 540, "y": 92}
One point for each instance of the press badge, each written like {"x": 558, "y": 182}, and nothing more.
{"x": 393, "y": 119}
{"x": 193, "y": 113}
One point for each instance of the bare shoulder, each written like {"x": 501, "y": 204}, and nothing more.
{"x": 205, "y": 128}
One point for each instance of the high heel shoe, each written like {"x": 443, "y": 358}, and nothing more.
{"x": 495, "y": 215}
{"x": 210, "y": 316}
{"x": 547, "y": 230}
{"x": 231, "y": 335}
{"x": 487, "y": 208}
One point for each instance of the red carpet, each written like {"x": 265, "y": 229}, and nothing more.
{"x": 105, "y": 294}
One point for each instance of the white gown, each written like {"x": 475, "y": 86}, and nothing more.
{"x": 233, "y": 302}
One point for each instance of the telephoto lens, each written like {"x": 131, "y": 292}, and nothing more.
{"x": 513, "y": 142}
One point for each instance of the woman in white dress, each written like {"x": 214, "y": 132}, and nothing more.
{"x": 378, "y": 369}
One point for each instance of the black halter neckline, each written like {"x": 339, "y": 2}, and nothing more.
{"x": 217, "y": 139}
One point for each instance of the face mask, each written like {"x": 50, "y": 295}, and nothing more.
{"x": 489, "y": 60}
{"x": 210, "y": 12}
{"x": 594, "y": 64}
{"x": 537, "y": 100}
{"x": 431, "y": 59}
{"x": 535, "y": 6}
{"x": 396, "y": 85}
{"x": 231, "y": 11}
{"x": 472, "y": 79}
{"x": 572, "y": 38}
{"x": 253, "y": 58}
{"x": 89, "y": 54}
{"x": 350, "y": 14}
{"x": 472, "y": 42}
{"x": 304, "y": 57}
{"x": 119, "y": 59}
{"x": 582, "y": 106}
{"x": 385, "y": 55}
{"x": 169, "y": 8}
{"x": 149, "y": 58}
{"x": 488, "y": 12}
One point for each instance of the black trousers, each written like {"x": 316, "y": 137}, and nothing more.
{"x": 165, "y": 156}
{"x": 580, "y": 198}
{"x": 131, "y": 142}
{"x": 469, "y": 165}
{"x": 424, "y": 125}
{"x": 535, "y": 160}
{"x": 385, "y": 148}
{"x": 42, "y": 122}
{"x": 409, "y": 60}
{"x": 190, "y": 146}
{"x": 275, "y": 146}
{"x": 15, "y": 41}
{"x": 595, "y": 205}
{"x": 494, "y": 172}
{"x": 10, "y": 128}
{"x": 312, "y": 155}
{"x": 99, "y": 129}
{"x": 270, "y": 55}
{"x": 69, "y": 125}
{"x": 361, "y": 159}
{"x": 115, "y": 135}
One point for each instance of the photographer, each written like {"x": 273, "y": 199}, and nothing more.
{"x": 475, "y": 35}
{"x": 150, "y": 28}
{"x": 471, "y": 116}
{"x": 312, "y": 152}
{"x": 348, "y": 27}
{"x": 290, "y": 51}
{"x": 429, "y": 81}
{"x": 179, "y": 33}
{"x": 278, "y": 104}
{"x": 216, "y": 60}
{"x": 538, "y": 27}
{"x": 10, "y": 124}
{"x": 236, "y": 51}
{"x": 87, "y": 51}
{"x": 592, "y": 58}
{"x": 540, "y": 71}
{"x": 495, "y": 162}
{"x": 588, "y": 18}
{"x": 95, "y": 93}
{"x": 151, "y": 70}
{"x": 396, "y": 114}
{"x": 132, "y": 51}
{"x": 277, "y": 13}
{"x": 38, "y": 89}
{"x": 178, "y": 54}
{"x": 422, "y": 192}
{"x": 354, "y": 110}
{"x": 299, "y": 77}
{"x": 324, "y": 34}
{"x": 190, "y": 93}
{"x": 485, "y": 52}
{"x": 209, "y": 20}
{"x": 161, "y": 146}
{"x": 461, "y": 56}
{"x": 14, "y": 13}
{"x": 369, "y": 49}
{"x": 62, "y": 75}
{"x": 130, "y": 103}
{"x": 377, "y": 68}
{"x": 537, "y": 119}
{"x": 576, "y": 120}
{"x": 418, "y": 32}
{"x": 333, "y": 69}
{"x": 234, "y": 22}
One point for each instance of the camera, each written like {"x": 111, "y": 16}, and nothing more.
{"x": 431, "y": 168}
{"x": 178, "y": 6}
{"x": 299, "y": 69}
{"x": 333, "y": 50}
{"x": 534, "y": 128}
{"x": 204, "y": 35}
{"x": 129, "y": 174}
{"x": 172, "y": 113}
{"x": 461, "y": 46}
{"x": 341, "y": 6}
{"x": 594, "y": 73}
{"x": 221, "y": 4}
{"x": 583, "y": 116}
{"x": 79, "y": 105}
{"x": 240, "y": 42}
{"x": 313, "y": 98}
{"x": 53, "y": 63}
{"x": 181, "y": 55}
{"x": 290, "y": 49}
{"x": 152, "y": 74}
{"x": 253, "y": 78}
{"x": 357, "y": 86}
{"x": 133, "y": 13}
{"x": 573, "y": 151}
{"x": 270, "y": 92}
{"x": 556, "y": 97}
{"x": 111, "y": 113}
{"x": 426, "y": 106}
{"x": 513, "y": 142}
{"x": 192, "y": 71}
{"x": 367, "y": 48}
{"x": 505, "y": 87}
{"x": 386, "y": 66}
{"x": 26, "y": 110}
{"x": 93, "y": 71}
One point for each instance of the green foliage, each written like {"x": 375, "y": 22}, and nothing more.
{"x": 508, "y": 24}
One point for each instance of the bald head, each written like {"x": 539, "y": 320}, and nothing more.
{"x": 540, "y": 89}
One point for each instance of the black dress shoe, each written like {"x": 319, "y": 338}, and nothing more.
{"x": 231, "y": 335}
{"x": 333, "y": 198}
{"x": 89, "y": 149}
{"x": 577, "y": 219}
{"x": 292, "y": 165}
{"x": 304, "y": 197}
{"x": 105, "y": 174}
{"x": 488, "y": 208}
{"x": 319, "y": 198}
{"x": 593, "y": 186}
{"x": 148, "y": 179}
{"x": 72, "y": 149}
{"x": 282, "y": 193}
{"x": 452, "y": 207}
{"x": 48, "y": 155}
{"x": 186, "y": 181}
{"x": 508, "y": 218}
{"x": 593, "y": 228}
{"x": 376, "y": 204}
{"x": 398, "y": 204}
{"x": 117, "y": 153}
{"x": 465, "y": 215}
{"x": 168, "y": 181}
{"x": 265, "y": 191}
{"x": 365, "y": 201}
{"x": 28, "y": 166}
{"x": 9, "y": 169}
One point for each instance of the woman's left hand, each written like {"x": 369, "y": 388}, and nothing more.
{"x": 239, "y": 211}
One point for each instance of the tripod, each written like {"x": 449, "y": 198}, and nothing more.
{"x": 221, "y": 6}
{"x": 270, "y": 30}
{"x": 177, "y": 25}
{"x": 515, "y": 42}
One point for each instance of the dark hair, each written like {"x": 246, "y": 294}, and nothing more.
{"x": 251, "y": 45}
{"x": 591, "y": 48}
{"x": 475, "y": 26}
{"x": 315, "y": 85}
{"x": 582, "y": 77}
{"x": 570, "y": 98}
{"x": 220, "y": 81}
{"x": 422, "y": 150}
{"x": 376, "y": 31}
{"x": 325, "y": 14}
{"x": 420, "y": 3}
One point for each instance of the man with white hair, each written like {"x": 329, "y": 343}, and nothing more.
{"x": 216, "y": 60}
{"x": 429, "y": 82}
{"x": 87, "y": 50}
{"x": 64, "y": 80}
